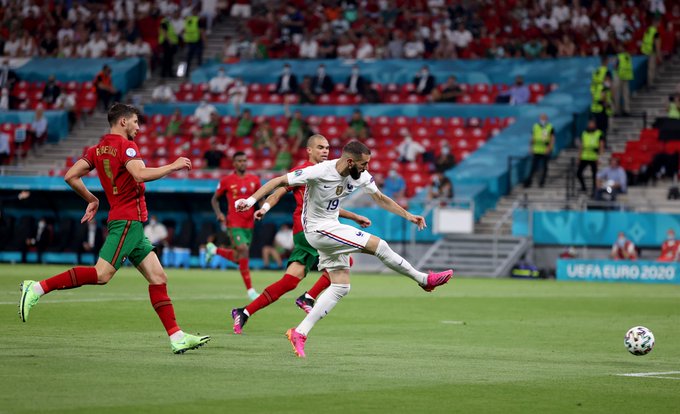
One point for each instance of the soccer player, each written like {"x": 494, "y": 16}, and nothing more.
{"x": 122, "y": 174}
{"x": 240, "y": 223}
{"x": 303, "y": 257}
{"x": 327, "y": 184}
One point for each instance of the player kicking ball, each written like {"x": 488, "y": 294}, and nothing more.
{"x": 240, "y": 223}
{"x": 327, "y": 184}
{"x": 303, "y": 257}
{"x": 122, "y": 174}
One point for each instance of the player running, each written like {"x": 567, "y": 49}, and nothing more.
{"x": 240, "y": 223}
{"x": 327, "y": 184}
{"x": 122, "y": 174}
{"x": 303, "y": 257}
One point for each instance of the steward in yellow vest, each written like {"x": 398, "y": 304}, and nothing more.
{"x": 621, "y": 87}
{"x": 591, "y": 147}
{"x": 651, "y": 44}
{"x": 542, "y": 143}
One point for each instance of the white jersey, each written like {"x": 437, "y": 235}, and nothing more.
{"x": 325, "y": 188}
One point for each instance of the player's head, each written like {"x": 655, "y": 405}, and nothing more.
{"x": 240, "y": 161}
{"x": 317, "y": 148}
{"x": 124, "y": 120}
{"x": 357, "y": 156}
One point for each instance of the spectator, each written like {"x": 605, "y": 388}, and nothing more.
{"x": 204, "y": 112}
{"x": 213, "y": 156}
{"x": 221, "y": 82}
{"x": 441, "y": 188}
{"x": 174, "y": 127}
{"x": 611, "y": 181}
{"x": 238, "y": 92}
{"x": 669, "y": 248}
{"x": 287, "y": 82}
{"x": 209, "y": 129}
{"x": 157, "y": 234}
{"x": 357, "y": 127}
{"x": 194, "y": 36}
{"x": 283, "y": 246}
{"x": 66, "y": 49}
{"x": 41, "y": 240}
{"x": 264, "y": 138}
{"x": 424, "y": 82}
{"x": 445, "y": 160}
{"x": 461, "y": 38}
{"x": 51, "y": 91}
{"x": 245, "y": 124}
{"x": 395, "y": 47}
{"x": 67, "y": 102}
{"x": 12, "y": 46}
{"x": 65, "y": 32}
{"x": 163, "y": 93}
{"x": 414, "y": 48}
{"x": 298, "y": 128}
{"x": 5, "y": 150}
{"x": 450, "y": 91}
{"x": 542, "y": 143}
{"x": 355, "y": 83}
{"x": 106, "y": 92}
{"x": 591, "y": 147}
{"x": 27, "y": 47}
{"x": 322, "y": 83}
{"x": 566, "y": 47}
{"x": 49, "y": 46}
{"x": 517, "y": 94}
{"x": 306, "y": 94}
{"x": 623, "y": 249}
{"x": 97, "y": 47}
{"x": 409, "y": 150}
{"x": 394, "y": 185}
{"x": 38, "y": 127}
{"x": 241, "y": 8}
{"x": 309, "y": 47}
{"x": 5, "y": 100}
{"x": 365, "y": 49}
{"x": 90, "y": 240}
{"x": 7, "y": 76}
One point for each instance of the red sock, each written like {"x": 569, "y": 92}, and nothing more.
{"x": 70, "y": 279}
{"x": 245, "y": 272}
{"x": 273, "y": 292}
{"x": 226, "y": 253}
{"x": 163, "y": 306}
{"x": 320, "y": 285}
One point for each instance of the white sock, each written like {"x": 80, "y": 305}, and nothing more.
{"x": 398, "y": 263}
{"x": 326, "y": 302}
{"x": 177, "y": 336}
{"x": 37, "y": 288}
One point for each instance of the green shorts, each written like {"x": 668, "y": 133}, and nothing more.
{"x": 303, "y": 252}
{"x": 240, "y": 236}
{"x": 126, "y": 240}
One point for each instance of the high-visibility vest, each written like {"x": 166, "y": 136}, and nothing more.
{"x": 599, "y": 75}
{"x": 648, "y": 41}
{"x": 541, "y": 138}
{"x": 590, "y": 143}
{"x": 674, "y": 111}
{"x": 625, "y": 69}
{"x": 599, "y": 104}
{"x": 170, "y": 33}
{"x": 192, "y": 33}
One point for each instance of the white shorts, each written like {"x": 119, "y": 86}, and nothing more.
{"x": 335, "y": 243}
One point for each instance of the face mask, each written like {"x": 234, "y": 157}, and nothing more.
{"x": 621, "y": 242}
{"x": 286, "y": 71}
{"x": 355, "y": 71}
{"x": 393, "y": 174}
{"x": 543, "y": 122}
{"x": 670, "y": 237}
{"x": 445, "y": 150}
{"x": 153, "y": 222}
{"x": 424, "y": 72}
{"x": 321, "y": 71}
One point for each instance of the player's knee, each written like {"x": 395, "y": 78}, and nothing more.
{"x": 382, "y": 249}
{"x": 158, "y": 278}
{"x": 103, "y": 276}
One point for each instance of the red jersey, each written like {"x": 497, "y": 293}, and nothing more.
{"x": 237, "y": 187}
{"x": 299, "y": 194}
{"x": 125, "y": 195}
{"x": 669, "y": 251}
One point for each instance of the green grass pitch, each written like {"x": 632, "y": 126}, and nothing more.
{"x": 472, "y": 346}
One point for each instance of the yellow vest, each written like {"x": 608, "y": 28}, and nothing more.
{"x": 170, "y": 33}
{"x": 647, "y": 47}
{"x": 625, "y": 69}
{"x": 192, "y": 33}
{"x": 599, "y": 75}
{"x": 541, "y": 138}
{"x": 674, "y": 111}
{"x": 590, "y": 143}
{"x": 599, "y": 104}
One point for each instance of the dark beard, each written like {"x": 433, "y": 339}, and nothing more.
{"x": 354, "y": 172}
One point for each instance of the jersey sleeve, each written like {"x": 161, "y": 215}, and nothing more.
{"x": 368, "y": 184}
{"x": 304, "y": 175}
{"x": 221, "y": 187}
{"x": 130, "y": 152}
{"x": 89, "y": 156}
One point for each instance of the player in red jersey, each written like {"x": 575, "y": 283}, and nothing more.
{"x": 240, "y": 223}
{"x": 304, "y": 256}
{"x": 122, "y": 174}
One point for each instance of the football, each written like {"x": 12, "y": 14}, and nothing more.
{"x": 639, "y": 340}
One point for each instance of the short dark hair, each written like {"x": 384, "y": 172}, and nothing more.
{"x": 119, "y": 110}
{"x": 356, "y": 148}
{"x": 238, "y": 154}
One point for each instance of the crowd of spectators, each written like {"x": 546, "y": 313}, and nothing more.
{"x": 435, "y": 29}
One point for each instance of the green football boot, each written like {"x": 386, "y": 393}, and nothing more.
{"x": 28, "y": 299}
{"x": 210, "y": 251}
{"x": 188, "y": 343}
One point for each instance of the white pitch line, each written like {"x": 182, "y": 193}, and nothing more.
{"x": 454, "y": 322}
{"x": 125, "y": 299}
{"x": 661, "y": 375}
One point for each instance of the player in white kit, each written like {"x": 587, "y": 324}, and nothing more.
{"x": 327, "y": 184}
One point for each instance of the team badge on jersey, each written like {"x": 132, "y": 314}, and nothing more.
{"x": 338, "y": 190}
{"x": 130, "y": 152}
{"x": 298, "y": 173}
{"x": 350, "y": 186}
